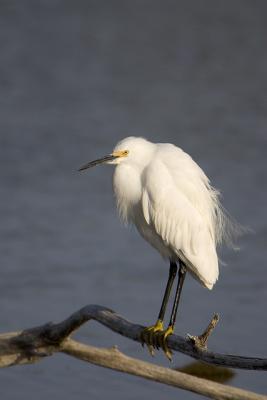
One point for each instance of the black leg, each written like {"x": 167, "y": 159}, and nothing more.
{"x": 181, "y": 278}
{"x": 155, "y": 336}
{"x": 172, "y": 274}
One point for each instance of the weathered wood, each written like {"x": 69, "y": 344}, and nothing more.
{"x": 31, "y": 345}
{"x": 114, "y": 359}
{"x": 132, "y": 331}
{"x": 201, "y": 340}
{"x": 49, "y": 336}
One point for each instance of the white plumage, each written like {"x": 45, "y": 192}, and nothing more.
{"x": 167, "y": 196}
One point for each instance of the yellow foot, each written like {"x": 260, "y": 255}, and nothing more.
{"x": 161, "y": 341}
{"x": 148, "y": 335}
{"x": 156, "y": 337}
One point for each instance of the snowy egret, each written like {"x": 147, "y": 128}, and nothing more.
{"x": 167, "y": 196}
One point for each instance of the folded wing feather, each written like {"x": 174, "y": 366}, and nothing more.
{"x": 182, "y": 228}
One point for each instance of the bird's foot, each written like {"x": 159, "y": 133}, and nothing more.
{"x": 161, "y": 341}
{"x": 156, "y": 337}
{"x": 148, "y": 336}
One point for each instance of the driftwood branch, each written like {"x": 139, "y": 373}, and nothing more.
{"x": 32, "y": 345}
{"x": 113, "y": 358}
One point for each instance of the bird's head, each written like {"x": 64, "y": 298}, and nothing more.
{"x": 133, "y": 149}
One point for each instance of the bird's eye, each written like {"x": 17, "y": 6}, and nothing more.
{"x": 126, "y": 152}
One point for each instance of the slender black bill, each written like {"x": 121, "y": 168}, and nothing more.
{"x": 102, "y": 160}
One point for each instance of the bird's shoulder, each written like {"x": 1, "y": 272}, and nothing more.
{"x": 178, "y": 161}
{"x": 170, "y": 153}
{"x": 162, "y": 193}
{"x": 173, "y": 168}
{"x": 174, "y": 185}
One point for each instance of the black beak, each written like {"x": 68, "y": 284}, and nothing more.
{"x": 102, "y": 160}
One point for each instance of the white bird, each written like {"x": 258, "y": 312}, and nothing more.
{"x": 166, "y": 195}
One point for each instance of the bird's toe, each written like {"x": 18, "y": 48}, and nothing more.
{"x": 155, "y": 337}
{"x": 161, "y": 341}
{"x": 148, "y": 336}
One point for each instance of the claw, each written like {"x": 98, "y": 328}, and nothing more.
{"x": 155, "y": 337}
{"x": 148, "y": 336}
{"x": 161, "y": 341}
{"x": 151, "y": 350}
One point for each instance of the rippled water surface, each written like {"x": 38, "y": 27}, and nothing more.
{"x": 75, "y": 78}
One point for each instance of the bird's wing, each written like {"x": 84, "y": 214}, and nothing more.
{"x": 182, "y": 228}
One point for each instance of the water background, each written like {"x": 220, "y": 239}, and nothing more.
{"x": 76, "y": 77}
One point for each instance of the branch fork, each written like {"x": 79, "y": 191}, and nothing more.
{"x": 200, "y": 342}
{"x": 32, "y": 345}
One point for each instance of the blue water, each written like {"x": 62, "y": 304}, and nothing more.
{"x": 76, "y": 77}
